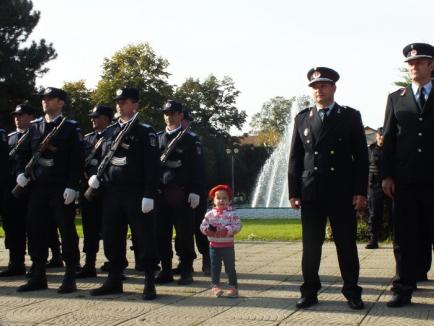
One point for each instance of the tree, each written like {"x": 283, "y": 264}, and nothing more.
{"x": 406, "y": 80}
{"x": 19, "y": 64}
{"x": 273, "y": 116}
{"x": 79, "y": 103}
{"x": 136, "y": 66}
{"x": 212, "y": 104}
{"x": 212, "y": 107}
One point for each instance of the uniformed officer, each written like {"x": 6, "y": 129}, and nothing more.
{"x": 181, "y": 181}
{"x": 408, "y": 174}
{"x": 376, "y": 197}
{"x": 201, "y": 240}
{"x": 328, "y": 175}
{"x": 91, "y": 211}
{"x": 14, "y": 217}
{"x": 52, "y": 190}
{"x": 128, "y": 193}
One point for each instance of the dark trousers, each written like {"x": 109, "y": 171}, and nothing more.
{"x": 227, "y": 256}
{"x": 413, "y": 211}
{"x": 45, "y": 204}
{"x": 123, "y": 207}
{"x": 344, "y": 227}
{"x": 91, "y": 214}
{"x": 182, "y": 218}
{"x": 202, "y": 242}
{"x": 376, "y": 202}
{"x": 14, "y": 225}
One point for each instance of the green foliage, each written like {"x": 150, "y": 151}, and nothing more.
{"x": 136, "y": 66}
{"x": 212, "y": 105}
{"x": 270, "y": 230}
{"x": 273, "y": 115}
{"x": 79, "y": 104}
{"x": 19, "y": 64}
{"x": 406, "y": 80}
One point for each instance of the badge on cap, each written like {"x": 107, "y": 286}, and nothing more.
{"x": 413, "y": 52}
{"x": 119, "y": 92}
{"x": 306, "y": 132}
{"x": 48, "y": 90}
{"x": 316, "y": 74}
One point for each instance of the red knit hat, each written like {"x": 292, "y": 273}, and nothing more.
{"x": 226, "y": 188}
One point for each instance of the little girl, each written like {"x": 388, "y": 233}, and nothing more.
{"x": 220, "y": 224}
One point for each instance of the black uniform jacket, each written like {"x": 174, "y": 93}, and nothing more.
{"x": 185, "y": 165}
{"x": 135, "y": 165}
{"x": 23, "y": 150}
{"x": 92, "y": 160}
{"x": 328, "y": 162}
{"x": 63, "y": 162}
{"x": 408, "y": 154}
{"x": 3, "y": 155}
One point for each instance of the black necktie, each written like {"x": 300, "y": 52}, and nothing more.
{"x": 324, "y": 116}
{"x": 422, "y": 97}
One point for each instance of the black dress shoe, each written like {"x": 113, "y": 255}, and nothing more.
{"x": 108, "y": 287}
{"x": 399, "y": 300}
{"x": 372, "y": 245}
{"x": 306, "y": 302}
{"x": 164, "y": 277}
{"x": 34, "y": 284}
{"x": 356, "y": 303}
{"x": 185, "y": 279}
{"x": 86, "y": 272}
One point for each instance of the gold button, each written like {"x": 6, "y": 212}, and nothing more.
{"x": 419, "y": 134}
{"x": 332, "y": 168}
{"x": 315, "y": 168}
{"x": 332, "y": 152}
{"x": 316, "y": 153}
{"x": 419, "y": 150}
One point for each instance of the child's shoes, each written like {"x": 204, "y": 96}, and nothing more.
{"x": 216, "y": 291}
{"x": 232, "y": 293}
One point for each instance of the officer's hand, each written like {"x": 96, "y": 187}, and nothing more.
{"x": 147, "y": 205}
{"x": 193, "y": 199}
{"x": 388, "y": 185}
{"x": 93, "y": 182}
{"x": 69, "y": 195}
{"x": 22, "y": 180}
{"x": 295, "y": 203}
{"x": 359, "y": 202}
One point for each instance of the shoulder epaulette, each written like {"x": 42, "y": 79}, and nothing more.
{"x": 191, "y": 133}
{"x": 145, "y": 125}
{"x": 89, "y": 134}
{"x": 304, "y": 111}
{"x": 37, "y": 120}
{"x": 12, "y": 133}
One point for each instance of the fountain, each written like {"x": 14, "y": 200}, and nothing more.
{"x": 271, "y": 188}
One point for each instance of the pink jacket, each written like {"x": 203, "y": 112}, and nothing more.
{"x": 227, "y": 224}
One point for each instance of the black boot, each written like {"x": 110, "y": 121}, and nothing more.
{"x": 112, "y": 285}
{"x": 149, "y": 292}
{"x": 68, "y": 285}
{"x": 88, "y": 269}
{"x": 186, "y": 273}
{"x": 30, "y": 272}
{"x": 38, "y": 280}
{"x": 166, "y": 274}
{"x": 15, "y": 267}
{"x": 206, "y": 265}
{"x": 373, "y": 243}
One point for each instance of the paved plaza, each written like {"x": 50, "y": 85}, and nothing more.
{"x": 269, "y": 278}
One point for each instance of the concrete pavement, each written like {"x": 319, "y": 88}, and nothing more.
{"x": 269, "y": 278}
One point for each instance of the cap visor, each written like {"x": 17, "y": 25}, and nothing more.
{"x": 422, "y": 56}
{"x": 319, "y": 80}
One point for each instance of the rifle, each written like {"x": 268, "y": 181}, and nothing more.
{"x": 91, "y": 193}
{"x": 169, "y": 149}
{"x": 92, "y": 153}
{"x": 22, "y": 139}
{"x": 28, "y": 170}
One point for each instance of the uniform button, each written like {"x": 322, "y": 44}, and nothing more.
{"x": 419, "y": 150}
{"x": 419, "y": 134}
{"x": 316, "y": 153}
{"x": 332, "y": 168}
{"x": 420, "y": 119}
{"x": 308, "y": 141}
{"x": 315, "y": 168}
{"x": 332, "y": 152}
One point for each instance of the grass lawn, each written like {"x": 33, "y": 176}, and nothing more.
{"x": 257, "y": 229}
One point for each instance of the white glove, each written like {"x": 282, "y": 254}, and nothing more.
{"x": 22, "y": 180}
{"x": 147, "y": 205}
{"x": 193, "y": 199}
{"x": 69, "y": 195}
{"x": 93, "y": 182}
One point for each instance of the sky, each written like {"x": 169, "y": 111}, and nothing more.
{"x": 267, "y": 47}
